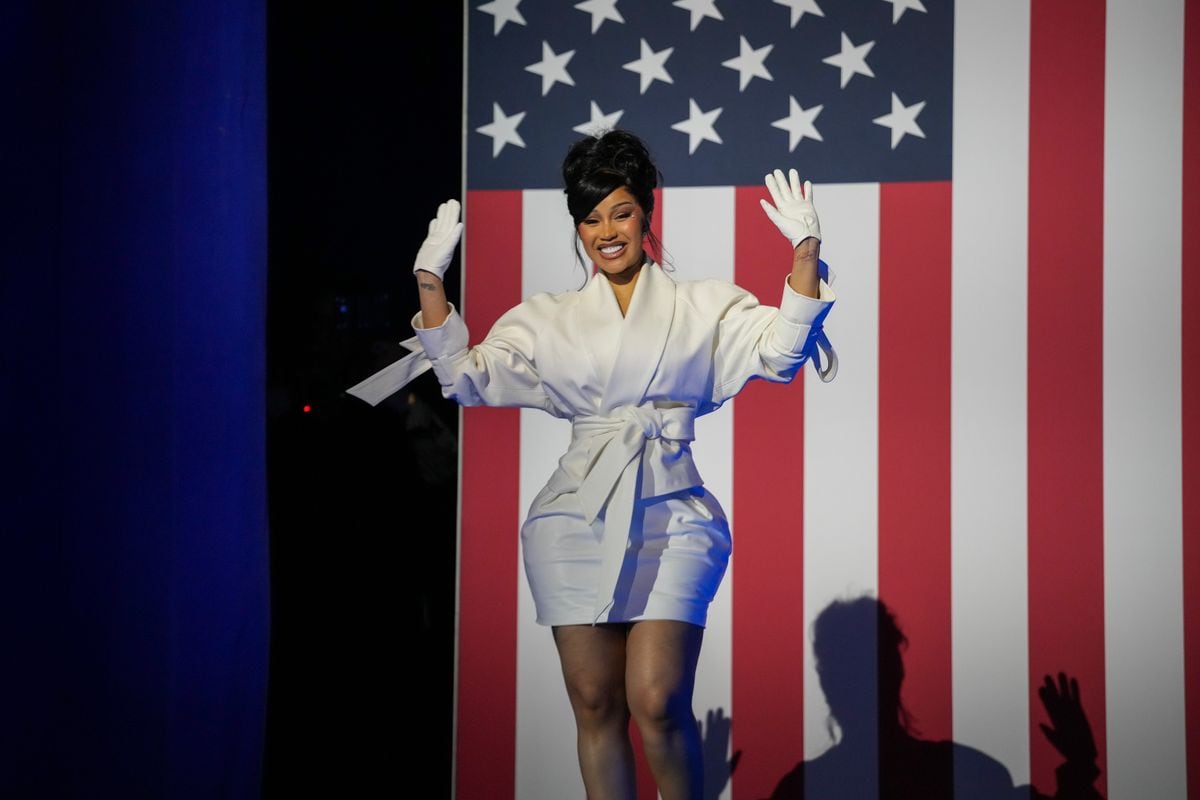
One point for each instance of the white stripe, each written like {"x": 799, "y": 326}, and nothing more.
{"x": 1143, "y": 527}
{"x": 547, "y": 256}
{"x": 698, "y": 235}
{"x": 547, "y": 763}
{"x": 841, "y": 432}
{"x": 988, "y": 433}
{"x": 698, "y": 231}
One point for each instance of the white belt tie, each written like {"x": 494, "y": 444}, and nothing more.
{"x": 616, "y": 444}
{"x": 395, "y": 376}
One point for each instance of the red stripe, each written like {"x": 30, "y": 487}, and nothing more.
{"x": 656, "y": 225}
{"x": 646, "y": 786}
{"x": 914, "y": 440}
{"x": 486, "y": 705}
{"x": 768, "y": 621}
{"x": 1191, "y": 386}
{"x": 1066, "y": 515}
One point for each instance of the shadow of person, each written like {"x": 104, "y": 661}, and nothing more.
{"x": 877, "y": 755}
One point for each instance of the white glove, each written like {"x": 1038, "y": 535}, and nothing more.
{"x": 793, "y": 212}
{"x": 438, "y": 247}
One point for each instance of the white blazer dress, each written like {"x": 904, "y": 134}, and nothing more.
{"x": 624, "y": 529}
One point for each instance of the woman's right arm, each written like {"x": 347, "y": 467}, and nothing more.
{"x": 432, "y": 260}
{"x": 499, "y": 371}
{"x": 434, "y": 308}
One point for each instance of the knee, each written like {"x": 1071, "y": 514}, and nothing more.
{"x": 661, "y": 705}
{"x": 597, "y": 702}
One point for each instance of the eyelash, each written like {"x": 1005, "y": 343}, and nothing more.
{"x": 622, "y": 216}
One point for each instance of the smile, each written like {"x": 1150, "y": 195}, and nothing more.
{"x": 612, "y": 249}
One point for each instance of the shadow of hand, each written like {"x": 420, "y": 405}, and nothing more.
{"x": 715, "y": 733}
{"x": 1069, "y": 730}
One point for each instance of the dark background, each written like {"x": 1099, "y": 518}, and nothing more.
{"x": 208, "y": 216}
{"x": 134, "y": 580}
{"x": 365, "y": 137}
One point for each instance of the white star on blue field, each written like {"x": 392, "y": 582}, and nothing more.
{"x": 721, "y": 91}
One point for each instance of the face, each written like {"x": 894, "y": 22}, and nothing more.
{"x": 612, "y": 234}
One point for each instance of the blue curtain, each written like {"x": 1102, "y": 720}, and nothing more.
{"x": 135, "y": 606}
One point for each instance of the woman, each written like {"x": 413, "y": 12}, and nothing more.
{"x": 624, "y": 548}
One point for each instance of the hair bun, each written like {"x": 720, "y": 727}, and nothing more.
{"x": 628, "y": 155}
{"x": 596, "y": 166}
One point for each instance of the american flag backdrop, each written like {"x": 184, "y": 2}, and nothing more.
{"x": 1008, "y": 455}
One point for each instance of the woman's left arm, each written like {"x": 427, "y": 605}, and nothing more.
{"x": 757, "y": 341}
{"x": 804, "y": 268}
{"x": 796, "y": 217}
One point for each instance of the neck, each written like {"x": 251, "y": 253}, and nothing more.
{"x": 626, "y": 277}
{"x": 623, "y": 286}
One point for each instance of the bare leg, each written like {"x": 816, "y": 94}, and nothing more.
{"x": 660, "y": 674}
{"x": 593, "y": 664}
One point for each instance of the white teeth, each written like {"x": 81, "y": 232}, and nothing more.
{"x": 611, "y": 249}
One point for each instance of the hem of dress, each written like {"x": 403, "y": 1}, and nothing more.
{"x": 701, "y": 623}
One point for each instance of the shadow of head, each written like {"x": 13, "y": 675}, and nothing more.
{"x": 858, "y": 648}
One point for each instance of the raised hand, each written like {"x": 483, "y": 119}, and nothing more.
{"x": 438, "y": 247}
{"x": 793, "y": 212}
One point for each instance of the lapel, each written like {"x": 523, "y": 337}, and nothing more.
{"x": 596, "y": 315}
{"x": 643, "y": 336}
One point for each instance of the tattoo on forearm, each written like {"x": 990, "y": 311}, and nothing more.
{"x": 429, "y": 287}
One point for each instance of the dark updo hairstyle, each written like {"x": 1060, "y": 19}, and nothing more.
{"x": 596, "y": 166}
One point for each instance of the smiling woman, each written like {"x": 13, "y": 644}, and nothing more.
{"x": 624, "y": 547}
{"x": 612, "y": 235}
{"x": 610, "y": 194}
{"x": 610, "y": 182}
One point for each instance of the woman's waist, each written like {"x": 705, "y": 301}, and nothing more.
{"x": 662, "y": 466}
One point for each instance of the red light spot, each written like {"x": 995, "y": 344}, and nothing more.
{"x": 307, "y": 408}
